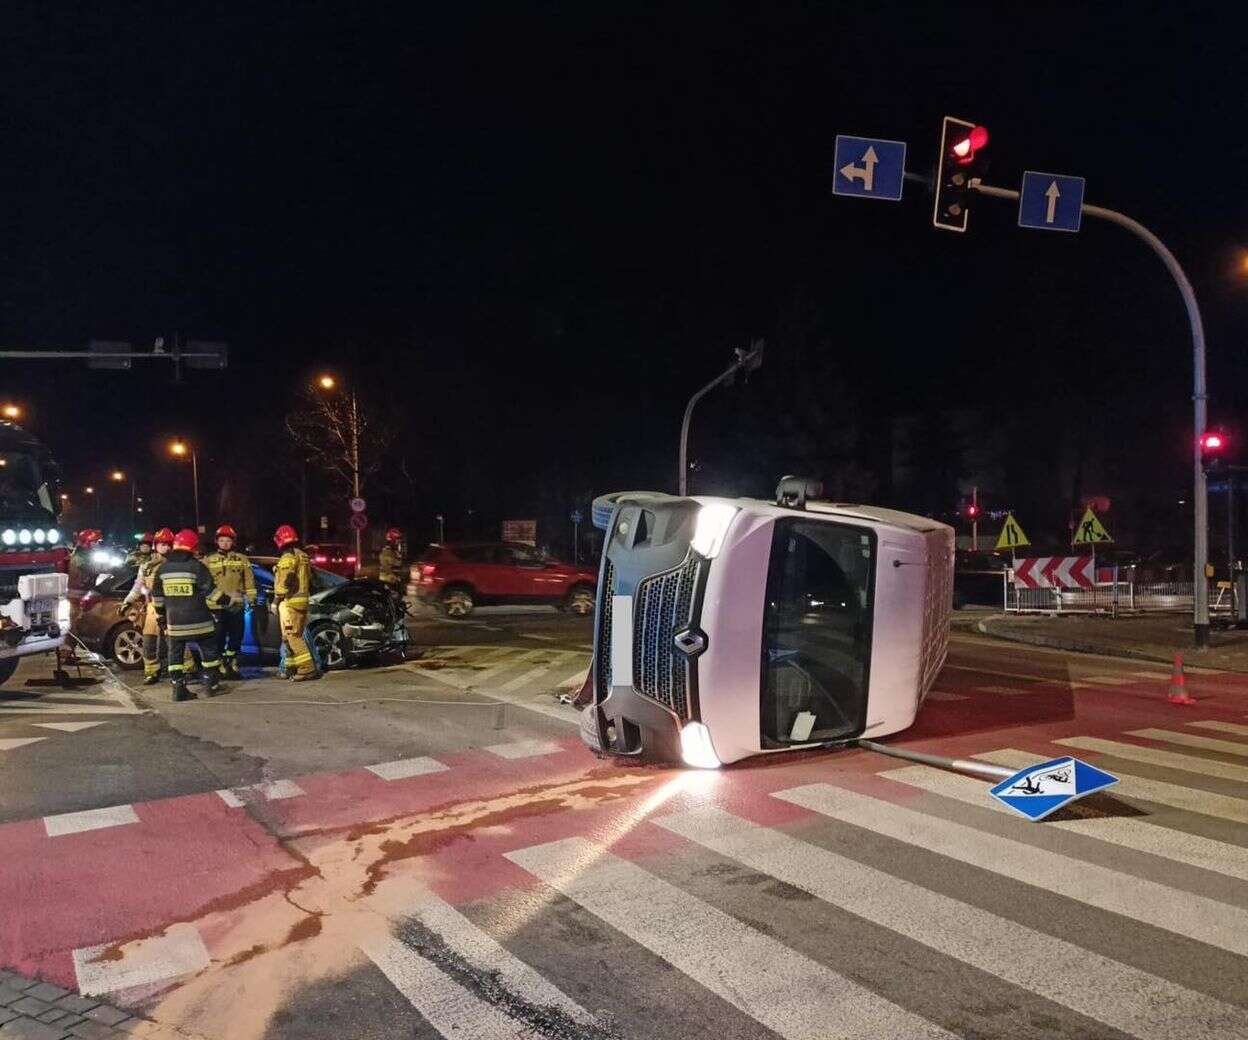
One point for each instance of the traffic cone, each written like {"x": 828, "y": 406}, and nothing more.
{"x": 1178, "y": 684}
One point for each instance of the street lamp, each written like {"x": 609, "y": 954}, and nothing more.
{"x": 746, "y": 360}
{"x": 180, "y": 449}
{"x": 11, "y": 411}
{"x": 328, "y": 383}
{"x": 118, "y": 476}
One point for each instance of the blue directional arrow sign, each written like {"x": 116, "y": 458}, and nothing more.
{"x": 869, "y": 168}
{"x": 1038, "y": 790}
{"x": 1050, "y": 201}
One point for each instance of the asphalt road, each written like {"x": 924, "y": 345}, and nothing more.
{"x": 385, "y": 862}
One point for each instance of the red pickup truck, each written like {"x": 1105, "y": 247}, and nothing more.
{"x": 459, "y": 577}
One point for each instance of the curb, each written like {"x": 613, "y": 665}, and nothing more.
{"x": 1075, "y": 646}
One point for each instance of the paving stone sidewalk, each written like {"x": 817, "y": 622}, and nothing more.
{"x": 1152, "y": 638}
{"x": 34, "y": 1010}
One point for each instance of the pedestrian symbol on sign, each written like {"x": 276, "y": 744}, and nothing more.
{"x": 1012, "y": 536}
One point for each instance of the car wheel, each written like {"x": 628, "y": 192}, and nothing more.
{"x": 8, "y": 666}
{"x": 125, "y": 646}
{"x": 581, "y": 601}
{"x": 329, "y": 647}
{"x": 457, "y": 603}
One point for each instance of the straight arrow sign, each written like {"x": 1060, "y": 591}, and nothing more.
{"x": 1052, "y": 194}
{"x": 1050, "y": 201}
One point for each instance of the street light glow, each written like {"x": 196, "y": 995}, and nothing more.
{"x": 12, "y": 411}
{"x": 118, "y": 475}
{"x": 177, "y": 448}
{"x": 89, "y": 490}
{"x": 327, "y": 382}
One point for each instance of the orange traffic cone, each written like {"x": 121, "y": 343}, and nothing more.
{"x": 1178, "y": 684}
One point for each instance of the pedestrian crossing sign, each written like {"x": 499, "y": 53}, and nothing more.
{"x": 1039, "y": 790}
{"x": 1091, "y": 530}
{"x": 1011, "y": 536}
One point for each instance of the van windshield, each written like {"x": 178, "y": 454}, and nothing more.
{"x": 816, "y": 632}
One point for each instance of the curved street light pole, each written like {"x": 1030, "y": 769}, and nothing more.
{"x": 748, "y": 361}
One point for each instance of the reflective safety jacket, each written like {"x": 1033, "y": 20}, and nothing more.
{"x": 292, "y": 578}
{"x": 184, "y": 594}
{"x": 144, "y": 579}
{"x": 391, "y": 566}
{"x": 233, "y": 576}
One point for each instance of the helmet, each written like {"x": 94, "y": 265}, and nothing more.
{"x": 88, "y": 537}
{"x": 163, "y": 535}
{"x": 226, "y": 531}
{"x": 186, "y": 539}
{"x": 394, "y": 535}
{"x": 284, "y": 536}
{"x": 147, "y": 538}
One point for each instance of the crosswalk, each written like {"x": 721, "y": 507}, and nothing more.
{"x": 915, "y": 891}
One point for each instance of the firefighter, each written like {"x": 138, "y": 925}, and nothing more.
{"x": 142, "y": 552}
{"x": 184, "y": 597}
{"x": 390, "y": 562}
{"x": 292, "y": 581}
{"x": 81, "y": 567}
{"x": 231, "y": 571}
{"x": 147, "y": 622}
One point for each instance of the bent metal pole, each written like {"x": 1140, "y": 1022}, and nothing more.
{"x": 1200, "y": 554}
{"x": 960, "y": 765}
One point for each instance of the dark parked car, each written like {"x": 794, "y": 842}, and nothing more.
{"x": 460, "y": 577}
{"x": 334, "y": 557}
{"x": 347, "y": 620}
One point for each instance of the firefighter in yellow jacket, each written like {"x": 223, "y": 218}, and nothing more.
{"x": 146, "y": 620}
{"x": 232, "y": 574}
{"x": 292, "y": 583}
{"x": 390, "y": 563}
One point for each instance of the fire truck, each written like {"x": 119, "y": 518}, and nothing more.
{"x": 34, "y": 556}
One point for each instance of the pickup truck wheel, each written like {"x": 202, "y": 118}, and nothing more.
{"x": 458, "y": 602}
{"x": 580, "y": 601}
{"x": 8, "y": 666}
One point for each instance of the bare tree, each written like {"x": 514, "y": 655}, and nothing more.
{"x": 340, "y": 433}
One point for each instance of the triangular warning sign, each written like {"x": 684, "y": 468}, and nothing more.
{"x": 1012, "y": 536}
{"x": 1091, "y": 530}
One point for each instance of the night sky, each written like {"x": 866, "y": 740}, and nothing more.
{"x": 530, "y": 236}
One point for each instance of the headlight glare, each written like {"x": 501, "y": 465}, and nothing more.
{"x": 711, "y": 527}
{"x": 696, "y": 748}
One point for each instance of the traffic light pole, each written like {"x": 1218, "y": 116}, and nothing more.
{"x": 1200, "y": 584}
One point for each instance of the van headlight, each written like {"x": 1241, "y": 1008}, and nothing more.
{"x": 710, "y": 529}
{"x": 696, "y": 747}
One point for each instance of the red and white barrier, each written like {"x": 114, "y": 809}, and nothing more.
{"x": 1055, "y": 572}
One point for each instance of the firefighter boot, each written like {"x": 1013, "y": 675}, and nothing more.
{"x": 152, "y": 678}
{"x": 180, "y": 692}
{"x": 229, "y": 668}
{"x": 212, "y": 682}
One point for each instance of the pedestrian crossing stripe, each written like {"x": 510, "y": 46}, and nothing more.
{"x": 1012, "y": 536}
{"x": 1090, "y": 530}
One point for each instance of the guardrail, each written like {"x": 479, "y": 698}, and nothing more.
{"x": 1114, "y": 598}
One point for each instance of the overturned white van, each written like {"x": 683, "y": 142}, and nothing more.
{"x": 734, "y": 627}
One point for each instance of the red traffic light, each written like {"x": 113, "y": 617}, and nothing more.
{"x": 1212, "y": 441}
{"x": 972, "y": 510}
{"x": 964, "y": 148}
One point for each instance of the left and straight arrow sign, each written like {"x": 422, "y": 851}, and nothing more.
{"x": 869, "y": 168}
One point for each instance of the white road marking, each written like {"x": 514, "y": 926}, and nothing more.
{"x": 67, "y": 727}
{"x": 577, "y": 679}
{"x": 1130, "y": 832}
{"x": 446, "y": 1005}
{"x": 1068, "y": 975}
{"x": 89, "y": 820}
{"x": 32, "y": 707}
{"x": 11, "y": 743}
{"x": 509, "y": 661}
{"x": 231, "y": 799}
{"x": 1222, "y": 727}
{"x": 487, "y": 955}
{"x": 1183, "y": 913}
{"x": 270, "y": 791}
{"x": 407, "y": 767}
{"x": 785, "y": 991}
{"x": 1109, "y": 680}
{"x": 524, "y": 749}
{"x": 178, "y": 951}
{"x": 1008, "y": 691}
{"x": 1158, "y": 757}
{"x": 521, "y": 680}
{"x": 546, "y": 639}
{"x": 1169, "y": 736}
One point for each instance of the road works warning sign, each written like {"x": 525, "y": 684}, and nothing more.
{"x": 1090, "y": 530}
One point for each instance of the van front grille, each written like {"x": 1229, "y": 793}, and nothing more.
{"x": 665, "y": 605}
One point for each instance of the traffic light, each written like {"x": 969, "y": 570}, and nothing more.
{"x": 972, "y": 511}
{"x": 1213, "y": 444}
{"x": 960, "y": 145}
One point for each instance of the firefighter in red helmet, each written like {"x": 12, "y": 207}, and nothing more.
{"x": 147, "y": 622}
{"x": 184, "y": 598}
{"x": 292, "y": 585}
{"x": 231, "y": 571}
{"x": 390, "y": 562}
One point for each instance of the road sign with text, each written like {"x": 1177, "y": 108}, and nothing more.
{"x": 869, "y": 168}
{"x": 1050, "y": 201}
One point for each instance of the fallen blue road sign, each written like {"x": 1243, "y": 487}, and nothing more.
{"x": 869, "y": 168}
{"x": 1041, "y": 789}
{"x": 1051, "y": 201}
